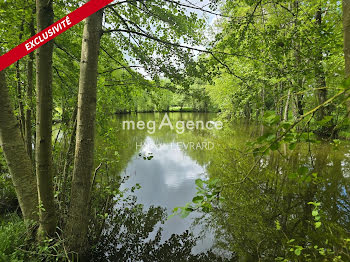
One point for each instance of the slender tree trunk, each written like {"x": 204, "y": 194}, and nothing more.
{"x": 28, "y": 119}
{"x": 20, "y": 100}
{"x": 321, "y": 91}
{"x": 263, "y": 102}
{"x": 286, "y": 108}
{"x": 68, "y": 160}
{"x": 28, "y": 116}
{"x": 19, "y": 89}
{"x": 279, "y": 103}
{"x": 299, "y": 103}
{"x": 77, "y": 225}
{"x": 44, "y": 124}
{"x": 285, "y": 117}
{"x": 299, "y": 87}
{"x": 16, "y": 157}
{"x": 346, "y": 28}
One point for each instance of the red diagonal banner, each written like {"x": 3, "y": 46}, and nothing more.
{"x": 51, "y": 32}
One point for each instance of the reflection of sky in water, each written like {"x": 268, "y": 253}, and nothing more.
{"x": 345, "y": 166}
{"x": 167, "y": 180}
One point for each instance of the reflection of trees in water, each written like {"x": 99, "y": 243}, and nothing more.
{"x": 131, "y": 233}
{"x": 277, "y": 194}
{"x": 246, "y": 222}
{"x": 134, "y": 234}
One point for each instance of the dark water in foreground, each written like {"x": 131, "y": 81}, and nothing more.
{"x": 259, "y": 213}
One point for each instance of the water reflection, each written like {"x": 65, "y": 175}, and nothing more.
{"x": 129, "y": 238}
{"x": 166, "y": 180}
{"x": 260, "y": 213}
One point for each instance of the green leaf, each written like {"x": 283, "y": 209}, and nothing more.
{"x": 278, "y": 225}
{"x": 271, "y": 118}
{"x": 316, "y": 204}
{"x": 266, "y": 138}
{"x": 286, "y": 125}
{"x": 298, "y": 251}
{"x": 185, "y": 213}
{"x": 200, "y": 183}
{"x": 197, "y": 199}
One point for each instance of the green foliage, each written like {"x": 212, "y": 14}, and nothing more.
{"x": 207, "y": 197}
{"x": 8, "y": 198}
{"x": 273, "y": 210}
{"x": 267, "y": 61}
{"x": 264, "y": 59}
{"x": 12, "y": 237}
{"x": 17, "y": 245}
{"x": 311, "y": 252}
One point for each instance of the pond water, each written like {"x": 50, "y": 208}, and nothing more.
{"x": 259, "y": 211}
{"x": 167, "y": 180}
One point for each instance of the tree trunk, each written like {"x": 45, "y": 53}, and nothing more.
{"x": 299, "y": 81}
{"x": 16, "y": 157}
{"x": 286, "y": 108}
{"x": 262, "y": 110}
{"x": 44, "y": 124}
{"x": 346, "y": 28}
{"x": 68, "y": 159}
{"x": 19, "y": 88}
{"x": 20, "y": 100}
{"x": 321, "y": 91}
{"x": 299, "y": 103}
{"x": 28, "y": 119}
{"x": 77, "y": 225}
